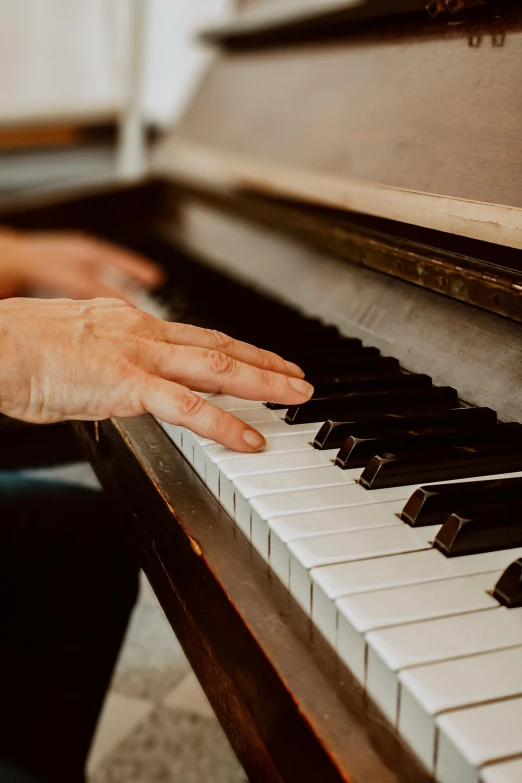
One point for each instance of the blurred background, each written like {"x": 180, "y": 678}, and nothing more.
{"x": 84, "y": 82}
{"x": 85, "y": 88}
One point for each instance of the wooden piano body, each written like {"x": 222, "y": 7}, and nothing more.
{"x": 368, "y": 171}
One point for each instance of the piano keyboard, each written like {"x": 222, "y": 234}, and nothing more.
{"x": 390, "y": 511}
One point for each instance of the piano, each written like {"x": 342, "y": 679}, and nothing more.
{"x": 345, "y": 188}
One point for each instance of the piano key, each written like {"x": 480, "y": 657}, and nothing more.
{"x": 369, "y": 359}
{"x": 281, "y": 530}
{"x": 267, "y": 422}
{"x": 481, "y": 530}
{"x": 459, "y": 462}
{"x": 366, "y": 383}
{"x": 429, "y": 691}
{"x": 472, "y": 738}
{"x": 363, "y": 613}
{"x": 356, "y": 452}
{"x": 214, "y": 454}
{"x": 392, "y": 650}
{"x": 282, "y": 504}
{"x": 248, "y": 487}
{"x": 314, "y": 551}
{"x": 380, "y": 372}
{"x": 335, "y": 581}
{"x": 508, "y": 590}
{"x": 503, "y": 772}
{"x": 333, "y": 434}
{"x": 227, "y": 403}
{"x": 433, "y": 504}
{"x": 375, "y": 402}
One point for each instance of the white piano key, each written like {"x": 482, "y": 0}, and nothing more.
{"x": 187, "y": 445}
{"x": 216, "y": 454}
{"x": 290, "y": 481}
{"x": 260, "y": 464}
{"x": 283, "y": 504}
{"x": 308, "y": 553}
{"x": 227, "y": 403}
{"x": 279, "y": 429}
{"x": 273, "y": 483}
{"x": 282, "y": 530}
{"x": 295, "y": 480}
{"x": 393, "y": 649}
{"x": 428, "y": 691}
{"x": 359, "y": 614}
{"x": 505, "y": 772}
{"x": 471, "y": 738}
{"x": 332, "y": 582}
{"x": 262, "y": 416}
{"x": 177, "y": 435}
{"x": 259, "y": 417}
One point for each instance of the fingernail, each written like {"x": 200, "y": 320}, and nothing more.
{"x": 254, "y": 440}
{"x": 294, "y": 369}
{"x": 303, "y": 387}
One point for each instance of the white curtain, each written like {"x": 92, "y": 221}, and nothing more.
{"x": 67, "y": 58}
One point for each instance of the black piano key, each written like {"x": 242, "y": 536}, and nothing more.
{"x": 365, "y": 372}
{"x": 371, "y": 383}
{"x": 480, "y": 531}
{"x": 433, "y": 504}
{"x": 355, "y": 452}
{"x": 374, "y": 402}
{"x": 300, "y": 353}
{"x": 333, "y": 433}
{"x": 508, "y": 590}
{"x": 368, "y": 357}
{"x": 396, "y": 470}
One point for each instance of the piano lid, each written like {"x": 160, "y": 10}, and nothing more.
{"x": 413, "y": 121}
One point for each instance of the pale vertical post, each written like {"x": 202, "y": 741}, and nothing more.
{"x": 132, "y": 152}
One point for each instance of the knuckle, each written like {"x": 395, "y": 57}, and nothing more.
{"x": 265, "y": 359}
{"x": 191, "y": 404}
{"x": 220, "y": 423}
{"x": 221, "y": 340}
{"x": 220, "y": 363}
{"x": 268, "y": 379}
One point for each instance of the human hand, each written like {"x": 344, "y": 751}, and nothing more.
{"x": 72, "y": 264}
{"x": 90, "y": 360}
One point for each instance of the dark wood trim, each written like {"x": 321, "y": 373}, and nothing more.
{"x": 291, "y": 711}
{"x": 296, "y": 24}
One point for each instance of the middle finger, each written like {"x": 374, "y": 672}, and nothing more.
{"x": 214, "y": 371}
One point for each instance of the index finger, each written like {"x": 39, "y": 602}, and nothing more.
{"x": 196, "y": 337}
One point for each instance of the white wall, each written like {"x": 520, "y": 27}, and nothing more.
{"x": 67, "y": 57}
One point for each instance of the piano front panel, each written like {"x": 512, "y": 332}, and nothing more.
{"x": 323, "y": 122}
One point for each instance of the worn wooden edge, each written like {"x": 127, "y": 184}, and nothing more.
{"x": 290, "y": 708}
{"x": 183, "y": 158}
{"x": 281, "y": 17}
{"x": 464, "y": 277}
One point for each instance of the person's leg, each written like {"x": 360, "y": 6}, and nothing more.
{"x": 68, "y": 583}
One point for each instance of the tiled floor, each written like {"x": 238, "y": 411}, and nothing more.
{"x": 157, "y": 725}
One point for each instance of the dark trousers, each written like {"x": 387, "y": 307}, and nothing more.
{"x": 68, "y": 583}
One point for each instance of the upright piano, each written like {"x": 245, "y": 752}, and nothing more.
{"x": 345, "y": 188}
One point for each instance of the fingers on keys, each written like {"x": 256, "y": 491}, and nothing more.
{"x": 184, "y": 334}
{"x": 177, "y": 405}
